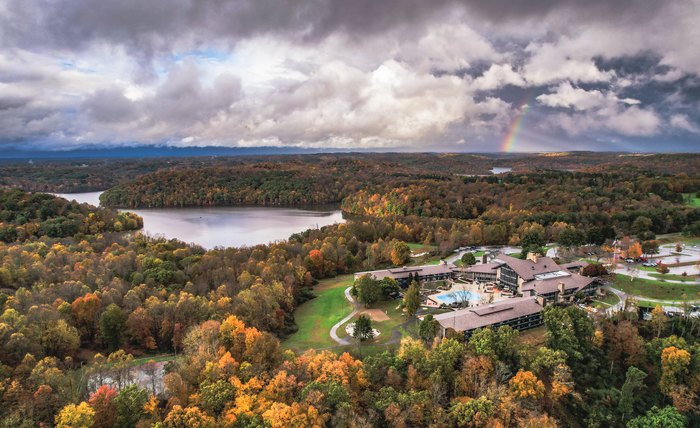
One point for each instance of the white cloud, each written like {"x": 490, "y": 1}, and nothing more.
{"x": 568, "y": 96}
{"x": 498, "y": 76}
{"x": 681, "y": 121}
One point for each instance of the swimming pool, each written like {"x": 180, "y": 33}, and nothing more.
{"x": 458, "y": 296}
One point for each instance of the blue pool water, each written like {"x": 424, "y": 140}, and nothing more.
{"x": 458, "y": 296}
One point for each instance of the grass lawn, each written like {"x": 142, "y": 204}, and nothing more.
{"x": 427, "y": 260}
{"x": 673, "y": 277}
{"x": 417, "y": 247}
{"x": 385, "y": 328}
{"x": 691, "y": 200}
{"x": 606, "y": 301}
{"x": 656, "y": 289}
{"x": 157, "y": 358}
{"x": 316, "y": 317}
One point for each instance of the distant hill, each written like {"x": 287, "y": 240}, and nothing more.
{"x": 156, "y": 152}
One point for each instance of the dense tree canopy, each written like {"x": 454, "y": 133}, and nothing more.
{"x": 79, "y": 301}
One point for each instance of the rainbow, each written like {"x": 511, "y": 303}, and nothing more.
{"x": 514, "y": 129}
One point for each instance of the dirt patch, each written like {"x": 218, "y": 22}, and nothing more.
{"x": 375, "y": 314}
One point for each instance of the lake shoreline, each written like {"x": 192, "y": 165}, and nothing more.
{"x": 226, "y": 226}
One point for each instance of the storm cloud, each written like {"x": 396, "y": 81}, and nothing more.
{"x": 437, "y": 75}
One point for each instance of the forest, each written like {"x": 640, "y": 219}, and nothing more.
{"x": 86, "y": 175}
{"x": 81, "y": 296}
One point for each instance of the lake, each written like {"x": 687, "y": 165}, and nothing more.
{"x": 500, "y": 170}
{"x": 225, "y": 226}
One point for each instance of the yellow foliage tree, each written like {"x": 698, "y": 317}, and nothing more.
{"x": 76, "y": 416}
{"x": 526, "y": 386}
{"x": 190, "y": 417}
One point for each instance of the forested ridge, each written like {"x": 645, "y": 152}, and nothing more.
{"x": 70, "y": 176}
{"x": 77, "y": 304}
{"x": 26, "y": 215}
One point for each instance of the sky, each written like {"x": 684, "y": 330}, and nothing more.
{"x": 438, "y": 75}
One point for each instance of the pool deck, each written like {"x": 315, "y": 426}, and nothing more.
{"x": 472, "y": 290}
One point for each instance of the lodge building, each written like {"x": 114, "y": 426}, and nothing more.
{"x": 520, "y": 313}
{"x": 404, "y": 275}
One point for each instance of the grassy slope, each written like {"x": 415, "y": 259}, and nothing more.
{"x": 672, "y": 277}
{"x": 609, "y": 300}
{"x": 316, "y": 317}
{"x": 656, "y": 289}
{"x": 692, "y": 200}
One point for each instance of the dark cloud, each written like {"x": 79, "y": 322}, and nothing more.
{"x": 110, "y": 105}
{"x": 362, "y": 72}
{"x": 617, "y": 10}
{"x": 155, "y": 26}
{"x": 7, "y": 103}
{"x": 147, "y": 27}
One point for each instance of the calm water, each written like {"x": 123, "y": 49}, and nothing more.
{"x": 225, "y": 226}
{"x": 500, "y": 170}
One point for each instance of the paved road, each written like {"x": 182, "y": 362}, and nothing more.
{"x": 619, "y": 306}
{"x": 334, "y": 329}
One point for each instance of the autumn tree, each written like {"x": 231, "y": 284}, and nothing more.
{"x": 662, "y": 268}
{"x": 60, "y": 339}
{"x": 674, "y": 366}
{"x": 85, "y": 310}
{"x": 400, "y": 253}
{"x": 658, "y": 319}
{"x": 102, "y": 402}
{"x": 76, "y": 416}
{"x": 634, "y": 251}
{"x": 189, "y": 417}
{"x": 525, "y": 386}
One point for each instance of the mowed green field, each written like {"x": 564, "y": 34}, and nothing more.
{"x": 691, "y": 199}
{"x": 316, "y": 317}
{"x": 396, "y": 318}
{"x": 656, "y": 289}
{"x": 417, "y": 247}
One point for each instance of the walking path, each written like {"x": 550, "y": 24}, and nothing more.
{"x": 334, "y": 329}
{"x": 395, "y": 332}
{"x": 619, "y": 306}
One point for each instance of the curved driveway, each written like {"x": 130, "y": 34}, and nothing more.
{"x": 334, "y": 329}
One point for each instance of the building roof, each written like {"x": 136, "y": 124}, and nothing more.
{"x": 484, "y": 268}
{"x": 404, "y": 272}
{"x": 527, "y": 269}
{"x": 580, "y": 264}
{"x": 572, "y": 283}
{"x": 486, "y": 315}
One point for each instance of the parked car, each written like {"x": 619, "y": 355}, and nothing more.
{"x": 629, "y": 260}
